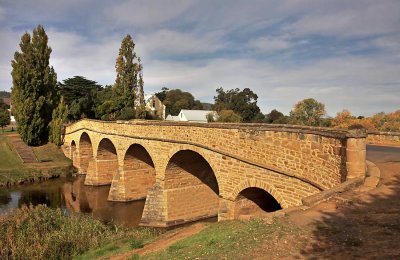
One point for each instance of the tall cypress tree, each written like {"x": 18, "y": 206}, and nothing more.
{"x": 33, "y": 92}
{"x": 126, "y": 81}
{"x": 128, "y": 86}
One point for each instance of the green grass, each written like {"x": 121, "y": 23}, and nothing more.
{"x": 134, "y": 239}
{"x": 223, "y": 240}
{"x": 8, "y": 158}
{"x": 12, "y": 170}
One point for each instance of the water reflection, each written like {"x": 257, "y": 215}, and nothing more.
{"x": 71, "y": 195}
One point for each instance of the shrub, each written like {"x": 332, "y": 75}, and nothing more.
{"x": 44, "y": 233}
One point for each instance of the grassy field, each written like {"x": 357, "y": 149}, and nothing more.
{"x": 12, "y": 170}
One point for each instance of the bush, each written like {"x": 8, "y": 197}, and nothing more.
{"x": 44, "y": 233}
{"x": 229, "y": 116}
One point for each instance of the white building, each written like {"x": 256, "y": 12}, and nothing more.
{"x": 195, "y": 116}
{"x": 155, "y": 106}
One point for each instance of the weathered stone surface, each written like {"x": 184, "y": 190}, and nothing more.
{"x": 383, "y": 138}
{"x": 198, "y": 170}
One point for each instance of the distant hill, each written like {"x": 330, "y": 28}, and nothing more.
{"x": 6, "y": 96}
{"x": 207, "y": 106}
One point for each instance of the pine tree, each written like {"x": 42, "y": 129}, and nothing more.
{"x": 59, "y": 117}
{"x": 34, "y": 87}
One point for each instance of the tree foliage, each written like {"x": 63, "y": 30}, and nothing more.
{"x": 34, "y": 87}
{"x": 308, "y": 112}
{"x": 176, "y": 99}
{"x": 59, "y": 117}
{"x": 128, "y": 93}
{"x": 79, "y": 94}
{"x": 162, "y": 94}
{"x": 276, "y": 117}
{"x": 229, "y": 116}
{"x": 4, "y": 118}
{"x": 389, "y": 122}
{"x": 242, "y": 102}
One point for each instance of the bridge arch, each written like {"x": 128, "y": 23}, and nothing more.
{"x": 139, "y": 172}
{"x": 256, "y": 184}
{"x": 102, "y": 169}
{"x": 192, "y": 186}
{"x": 85, "y": 151}
{"x": 255, "y": 201}
{"x": 206, "y": 156}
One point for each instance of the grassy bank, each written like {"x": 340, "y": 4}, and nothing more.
{"x": 45, "y": 233}
{"x": 223, "y": 240}
{"x": 52, "y": 162}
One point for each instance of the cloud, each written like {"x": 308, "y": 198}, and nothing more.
{"x": 269, "y": 44}
{"x": 351, "y": 19}
{"x": 142, "y": 13}
{"x": 172, "y": 43}
{"x": 74, "y": 54}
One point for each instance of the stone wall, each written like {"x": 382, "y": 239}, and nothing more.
{"x": 288, "y": 162}
{"x": 383, "y": 138}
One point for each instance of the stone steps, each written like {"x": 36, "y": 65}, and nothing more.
{"x": 24, "y": 151}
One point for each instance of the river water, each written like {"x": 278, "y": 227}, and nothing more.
{"x": 72, "y": 196}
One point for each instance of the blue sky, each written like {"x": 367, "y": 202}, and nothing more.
{"x": 343, "y": 53}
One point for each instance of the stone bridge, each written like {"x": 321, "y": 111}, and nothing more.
{"x": 191, "y": 171}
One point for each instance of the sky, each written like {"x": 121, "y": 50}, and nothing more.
{"x": 345, "y": 54}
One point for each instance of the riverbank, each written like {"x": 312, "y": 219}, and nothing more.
{"x": 45, "y": 233}
{"x": 51, "y": 163}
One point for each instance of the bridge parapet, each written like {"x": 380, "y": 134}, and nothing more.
{"x": 383, "y": 138}
{"x": 313, "y": 153}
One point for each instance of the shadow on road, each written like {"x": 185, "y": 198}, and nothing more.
{"x": 365, "y": 225}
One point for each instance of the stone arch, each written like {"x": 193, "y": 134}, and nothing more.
{"x": 106, "y": 150}
{"x": 193, "y": 190}
{"x": 254, "y": 201}
{"x": 85, "y": 151}
{"x": 252, "y": 183}
{"x": 206, "y": 156}
{"x": 105, "y": 165}
{"x": 136, "y": 177}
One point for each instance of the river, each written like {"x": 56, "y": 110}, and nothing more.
{"x": 72, "y": 196}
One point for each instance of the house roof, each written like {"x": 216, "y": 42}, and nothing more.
{"x": 196, "y": 115}
{"x": 172, "y": 118}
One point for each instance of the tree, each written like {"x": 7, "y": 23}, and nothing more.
{"x": 34, "y": 87}
{"x": 275, "y": 116}
{"x": 229, "y": 116}
{"x": 243, "y": 103}
{"x": 128, "y": 86}
{"x": 176, "y": 99}
{"x": 59, "y": 117}
{"x": 79, "y": 94}
{"x": 308, "y": 112}
{"x": 4, "y": 118}
{"x": 162, "y": 94}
